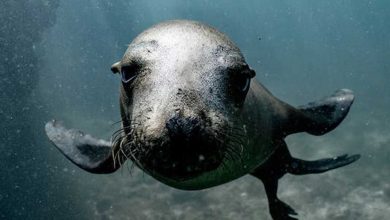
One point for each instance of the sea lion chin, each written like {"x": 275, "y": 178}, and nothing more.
{"x": 194, "y": 116}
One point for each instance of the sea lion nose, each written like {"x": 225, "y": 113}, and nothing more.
{"x": 183, "y": 128}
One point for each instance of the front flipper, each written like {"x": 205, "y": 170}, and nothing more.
{"x": 321, "y": 116}
{"x": 89, "y": 153}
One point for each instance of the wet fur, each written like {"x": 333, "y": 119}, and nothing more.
{"x": 184, "y": 71}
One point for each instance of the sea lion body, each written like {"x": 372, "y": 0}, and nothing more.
{"x": 194, "y": 117}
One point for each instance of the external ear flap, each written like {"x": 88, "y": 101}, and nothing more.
{"x": 115, "y": 68}
{"x": 89, "y": 153}
{"x": 252, "y": 73}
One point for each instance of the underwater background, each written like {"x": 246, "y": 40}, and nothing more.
{"x": 55, "y": 59}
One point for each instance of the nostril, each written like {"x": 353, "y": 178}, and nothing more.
{"x": 184, "y": 127}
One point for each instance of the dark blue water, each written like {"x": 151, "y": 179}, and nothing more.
{"x": 55, "y": 60}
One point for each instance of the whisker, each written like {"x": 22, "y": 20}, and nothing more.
{"x": 117, "y": 122}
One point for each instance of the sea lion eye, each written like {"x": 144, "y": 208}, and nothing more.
{"x": 129, "y": 72}
{"x": 243, "y": 83}
{"x": 242, "y": 80}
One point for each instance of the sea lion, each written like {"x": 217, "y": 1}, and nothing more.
{"x": 194, "y": 116}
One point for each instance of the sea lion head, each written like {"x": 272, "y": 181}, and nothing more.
{"x": 183, "y": 86}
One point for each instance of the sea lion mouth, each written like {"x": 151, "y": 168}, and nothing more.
{"x": 185, "y": 149}
{"x": 190, "y": 151}
{"x": 183, "y": 160}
